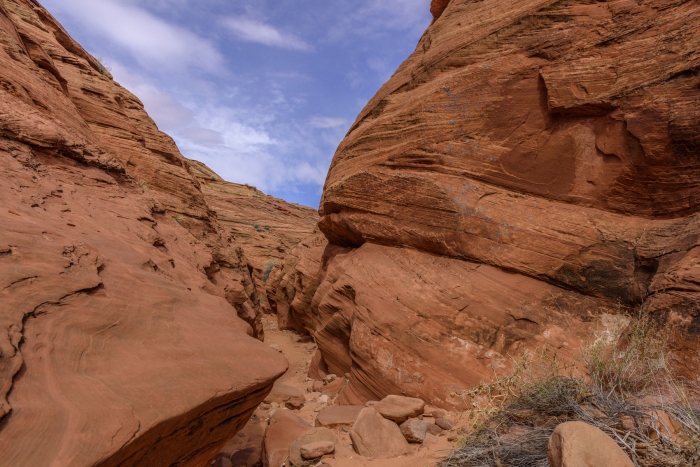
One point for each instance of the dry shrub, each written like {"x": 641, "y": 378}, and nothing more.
{"x": 621, "y": 384}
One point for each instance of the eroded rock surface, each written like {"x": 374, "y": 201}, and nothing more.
{"x": 120, "y": 294}
{"x": 530, "y": 168}
{"x": 266, "y": 228}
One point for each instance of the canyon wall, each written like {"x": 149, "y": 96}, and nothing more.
{"x": 529, "y": 174}
{"x": 121, "y": 294}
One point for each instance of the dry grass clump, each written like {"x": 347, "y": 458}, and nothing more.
{"x": 622, "y": 385}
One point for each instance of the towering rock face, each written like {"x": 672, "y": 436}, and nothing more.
{"x": 531, "y": 167}
{"x": 120, "y": 342}
{"x": 266, "y": 228}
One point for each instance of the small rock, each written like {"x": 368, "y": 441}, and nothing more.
{"x": 445, "y": 423}
{"x": 255, "y": 459}
{"x": 305, "y": 338}
{"x": 399, "y": 408}
{"x": 276, "y": 347}
{"x": 414, "y": 430}
{"x": 264, "y": 406}
{"x": 310, "y": 347}
{"x": 334, "y": 387}
{"x": 435, "y": 430}
{"x": 318, "y": 386}
{"x": 330, "y": 378}
{"x": 577, "y": 444}
{"x": 375, "y": 437}
{"x": 317, "y": 449}
{"x": 347, "y": 376}
{"x": 324, "y": 399}
{"x": 287, "y": 395}
{"x": 315, "y": 435}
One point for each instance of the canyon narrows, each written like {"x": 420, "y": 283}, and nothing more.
{"x": 529, "y": 175}
{"x": 128, "y": 312}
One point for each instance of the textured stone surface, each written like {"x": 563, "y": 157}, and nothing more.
{"x": 414, "y": 430}
{"x": 293, "y": 283}
{"x": 284, "y": 429}
{"x": 335, "y": 416}
{"x": 577, "y": 444}
{"x": 376, "y": 437}
{"x": 530, "y": 167}
{"x": 118, "y": 345}
{"x": 315, "y": 435}
{"x": 266, "y": 228}
{"x": 399, "y": 408}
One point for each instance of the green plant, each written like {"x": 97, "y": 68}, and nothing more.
{"x": 145, "y": 185}
{"x": 103, "y": 68}
{"x": 179, "y": 219}
{"x": 267, "y": 269}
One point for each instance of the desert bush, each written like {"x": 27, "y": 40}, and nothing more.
{"x": 621, "y": 384}
{"x": 267, "y": 269}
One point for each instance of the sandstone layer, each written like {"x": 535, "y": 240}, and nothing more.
{"x": 120, "y": 293}
{"x": 529, "y": 170}
{"x": 266, "y": 228}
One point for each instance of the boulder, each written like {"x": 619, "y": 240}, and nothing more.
{"x": 315, "y": 435}
{"x": 335, "y": 416}
{"x": 376, "y": 437}
{"x": 317, "y": 449}
{"x": 284, "y": 429}
{"x": 577, "y": 444}
{"x": 399, "y": 408}
{"x": 414, "y": 430}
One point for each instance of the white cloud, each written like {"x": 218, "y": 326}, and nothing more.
{"x": 327, "y": 122}
{"x": 203, "y": 136}
{"x": 250, "y": 30}
{"x": 152, "y": 41}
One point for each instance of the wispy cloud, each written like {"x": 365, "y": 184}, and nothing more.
{"x": 150, "y": 40}
{"x": 251, "y": 30}
{"x": 327, "y": 122}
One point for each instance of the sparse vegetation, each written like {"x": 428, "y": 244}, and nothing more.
{"x": 179, "y": 219}
{"x": 103, "y": 68}
{"x": 621, "y": 384}
{"x": 145, "y": 185}
{"x": 268, "y": 269}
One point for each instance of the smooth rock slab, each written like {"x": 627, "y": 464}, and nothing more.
{"x": 577, "y": 444}
{"x": 400, "y": 408}
{"x": 338, "y": 415}
{"x": 284, "y": 429}
{"x": 376, "y": 437}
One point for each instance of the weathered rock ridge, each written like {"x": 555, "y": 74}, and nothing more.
{"x": 121, "y": 293}
{"x": 266, "y": 228}
{"x": 530, "y": 169}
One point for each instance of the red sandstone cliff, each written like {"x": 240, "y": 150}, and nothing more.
{"x": 266, "y": 228}
{"x": 531, "y": 168}
{"x": 120, "y": 291}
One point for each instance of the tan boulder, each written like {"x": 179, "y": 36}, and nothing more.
{"x": 376, "y": 437}
{"x": 317, "y": 449}
{"x": 335, "y": 416}
{"x": 414, "y": 430}
{"x": 314, "y": 435}
{"x": 577, "y": 444}
{"x": 284, "y": 429}
{"x": 399, "y": 408}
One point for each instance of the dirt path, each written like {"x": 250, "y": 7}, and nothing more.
{"x": 299, "y": 355}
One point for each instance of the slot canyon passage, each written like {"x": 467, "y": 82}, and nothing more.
{"x": 528, "y": 176}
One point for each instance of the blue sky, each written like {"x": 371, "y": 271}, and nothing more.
{"x": 261, "y": 91}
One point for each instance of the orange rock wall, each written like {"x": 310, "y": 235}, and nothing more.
{"x": 530, "y": 168}
{"x": 120, "y": 292}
